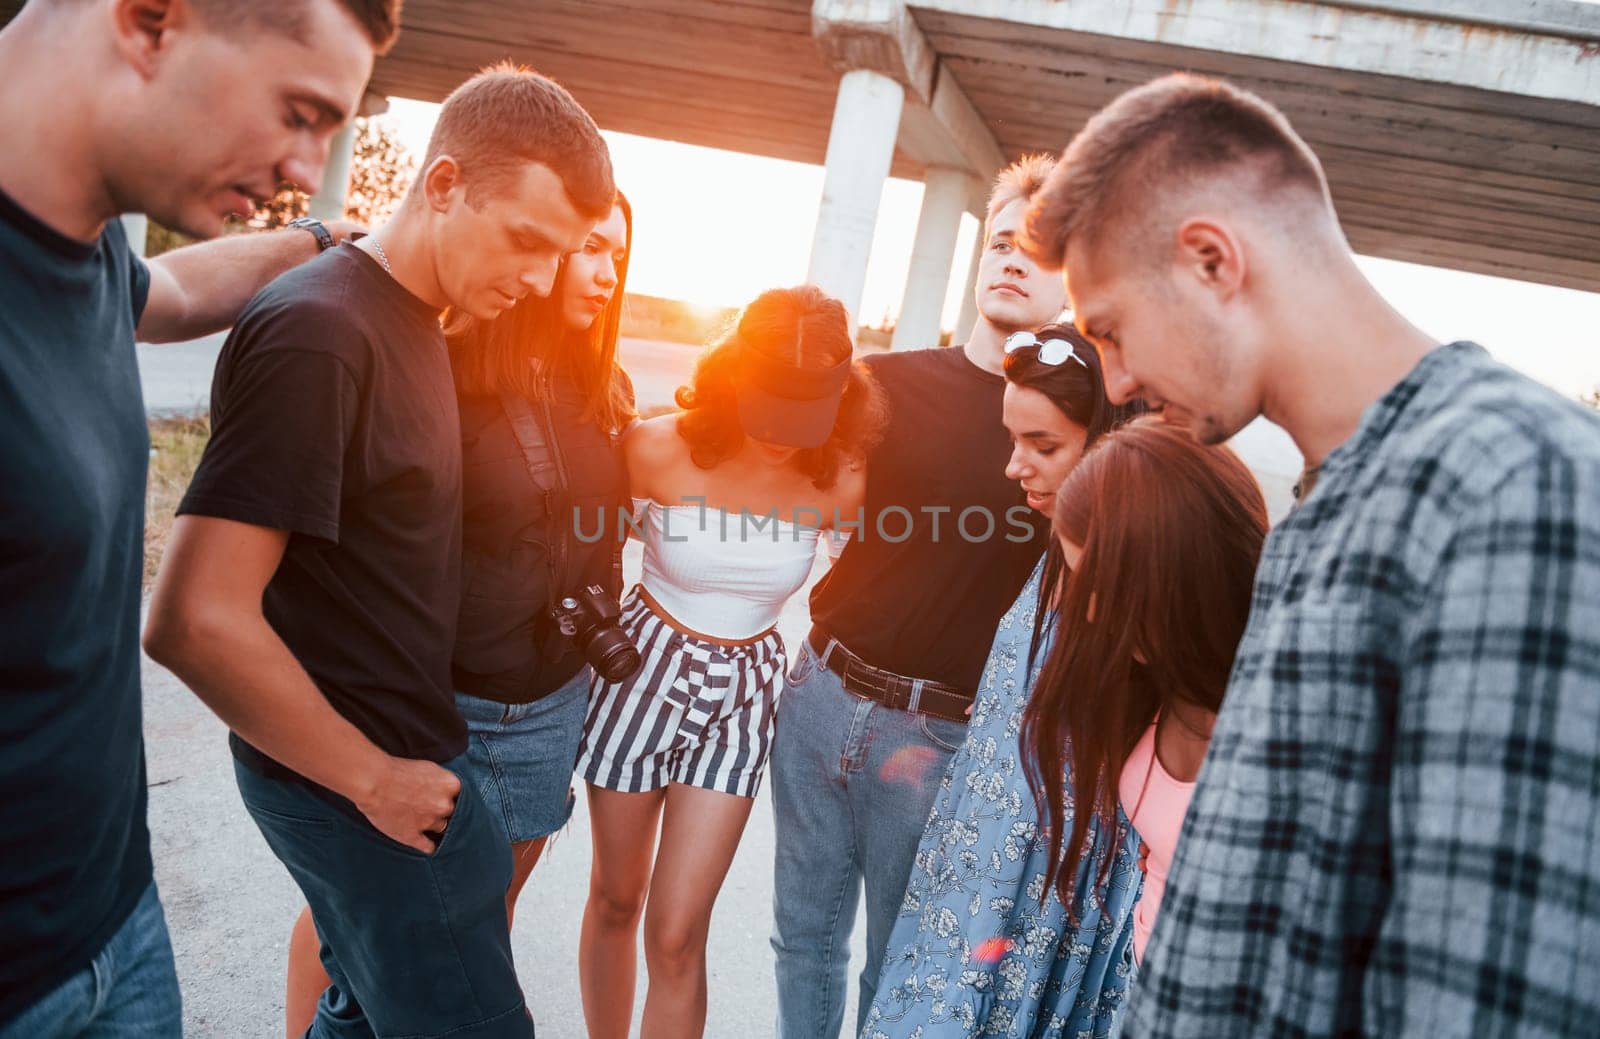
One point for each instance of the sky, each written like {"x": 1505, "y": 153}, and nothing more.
{"x": 718, "y": 228}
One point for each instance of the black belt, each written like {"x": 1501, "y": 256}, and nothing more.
{"x": 915, "y": 695}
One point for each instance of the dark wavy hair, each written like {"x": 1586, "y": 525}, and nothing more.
{"x": 1079, "y": 392}
{"x": 1171, "y": 532}
{"x": 810, "y": 328}
{"x": 491, "y": 357}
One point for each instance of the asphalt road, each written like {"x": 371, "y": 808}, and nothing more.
{"x": 229, "y": 902}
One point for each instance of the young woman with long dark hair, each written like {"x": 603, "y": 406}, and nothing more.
{"x": 1162, "y": 537}
{"x": 543, "y": 402}
{"x": 733, "y": 492}
{"x": 981, "y": 943}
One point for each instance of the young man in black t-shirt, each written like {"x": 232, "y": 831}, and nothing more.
{"x": 878, "y": 697}
{"x": 310, "y": 591}
{"x": 181, "y": 111}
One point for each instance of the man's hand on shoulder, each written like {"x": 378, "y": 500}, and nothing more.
{"x": 201, "y": 288}
{"x": 343, "y": 230}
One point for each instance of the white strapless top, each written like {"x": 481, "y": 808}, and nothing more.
{"x": 720, "y": 573}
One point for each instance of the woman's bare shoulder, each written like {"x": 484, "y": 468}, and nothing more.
{"x": 653, "y": 450}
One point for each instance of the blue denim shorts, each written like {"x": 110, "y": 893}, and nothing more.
{"x": 521, "y": 757}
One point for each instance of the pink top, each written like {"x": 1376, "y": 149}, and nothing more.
{"x": 1155, "y": 803}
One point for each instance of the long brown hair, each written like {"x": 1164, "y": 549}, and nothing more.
{"x": 491, "y": 357}
{"x": 1171, "y": 532}
{"x": 813, "y": 330}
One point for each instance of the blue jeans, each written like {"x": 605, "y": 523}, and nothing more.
{"x": 852, "y": 783}
{"x": 128, "y": 991}
{"x": 521, "y": 756}
{"x": 415, "y": 945}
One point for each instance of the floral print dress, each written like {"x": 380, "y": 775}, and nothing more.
{"x": 974, "y": 953}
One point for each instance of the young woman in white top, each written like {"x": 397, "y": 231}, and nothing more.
{"x": 732, "y": 493}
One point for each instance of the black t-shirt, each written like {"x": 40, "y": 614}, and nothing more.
{"x": 333, "y": 417}
{"x": 74, "y": 850}
{"x": 518, "y": 540}
{"x": 919, "y": 590}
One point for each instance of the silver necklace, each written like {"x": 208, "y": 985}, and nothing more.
{"x": 383, "y": 257}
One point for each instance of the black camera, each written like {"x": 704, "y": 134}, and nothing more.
{"x": 590, "y": 618}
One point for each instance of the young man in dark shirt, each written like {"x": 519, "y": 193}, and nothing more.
{"x": 903, "y": 622}
{"x": 182, "y": 110}
{"x": 310, "y": 591}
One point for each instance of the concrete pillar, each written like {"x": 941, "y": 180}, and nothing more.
{"x": 866, "y": 120}
{"x": 969, "y": 300}
{"x": 137, "y": 226}
{"x": 328, "y": 201}
{"x": 944, "y": 198}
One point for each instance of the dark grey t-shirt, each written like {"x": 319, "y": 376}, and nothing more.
{"x": 948, "y": 541}
{"x": 333, "y": 417}
{"x": 74, "y": 850}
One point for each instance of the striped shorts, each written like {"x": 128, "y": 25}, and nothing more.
{"x": 696, "y": 713}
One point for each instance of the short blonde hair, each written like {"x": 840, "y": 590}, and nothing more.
{"x": 1159, "y": 138}
{"x": 1022, "y": 179}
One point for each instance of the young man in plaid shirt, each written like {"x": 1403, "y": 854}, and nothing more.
{"x": 1397, "y": 828}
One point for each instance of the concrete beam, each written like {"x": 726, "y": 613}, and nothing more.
{"x": 1409, "y": 40}
{"x": 949, "y": 131}
{"x": 878, "y": 35}
{"x": 1545, "y": 17}
{"x": 944, "y": 197}
{"x": 940, "y": 127}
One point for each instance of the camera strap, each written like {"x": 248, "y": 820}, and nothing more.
{"x": 544, "y": 469}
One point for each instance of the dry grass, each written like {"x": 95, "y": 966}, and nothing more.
{"x": 175, "y": 447}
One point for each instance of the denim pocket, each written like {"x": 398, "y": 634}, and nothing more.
{"x": 942, "y": 733}
{"x": 805, "y": 665}
{"x": 291, "y": 819}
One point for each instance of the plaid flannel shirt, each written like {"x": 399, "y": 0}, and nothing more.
{"x": 1397, "y": 828}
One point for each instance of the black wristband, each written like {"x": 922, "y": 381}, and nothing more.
{"x": 318, "y": 230}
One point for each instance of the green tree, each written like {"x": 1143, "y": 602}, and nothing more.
{"x": 381, "y": 170}
{"x": 380, "y": 175}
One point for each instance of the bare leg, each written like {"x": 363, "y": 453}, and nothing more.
{"x": 307, "y": 979}
{"x": 623, "y": 827}
{"x": 700, "y": 831}
{"x": 524, "y": 856}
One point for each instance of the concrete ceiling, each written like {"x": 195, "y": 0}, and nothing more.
{"x": 1429, "y": 171}
{"x": 744, "y": 75}
{"x": 1441, "y": 140}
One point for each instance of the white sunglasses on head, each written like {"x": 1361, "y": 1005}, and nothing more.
{"x": 1051, "y": 351}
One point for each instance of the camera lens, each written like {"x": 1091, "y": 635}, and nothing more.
{"x": 612, "y": 653}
